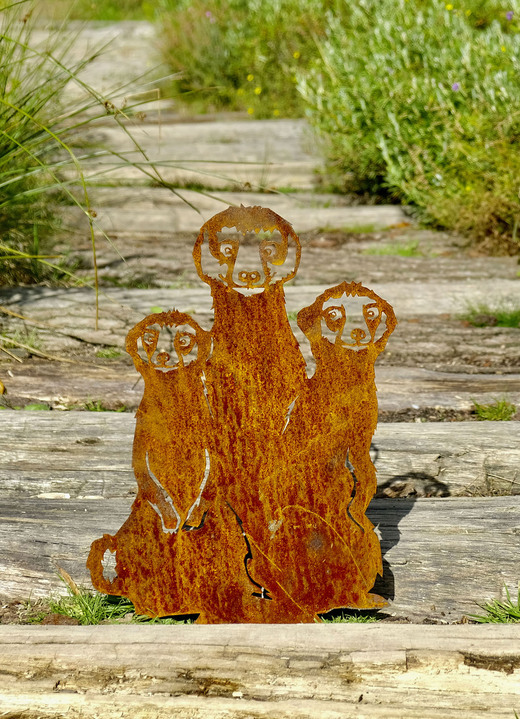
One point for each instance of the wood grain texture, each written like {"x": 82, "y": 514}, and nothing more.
{"x": 88, "y": 454}
{"x": 440, "y": 556}
{"x": 66, "y": 479}
{"x": 62, "y": 385}
{"x": 198, "y": 672}
{"x": 131, "y": 305}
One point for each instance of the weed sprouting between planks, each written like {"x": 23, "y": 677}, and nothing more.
{"x": 498, "y": 611}
{"x": 398, "y": 249}
{"x": 489, "y": 315}
{"x": 501, "y": 410}
{"x": 90, "y": 608}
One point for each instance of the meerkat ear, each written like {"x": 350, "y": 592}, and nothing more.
{"x": 208, "y": 266}
{"x": 292, "y": 259}
{"x": 309, "y": 322}
{"x": 290, "y": 265}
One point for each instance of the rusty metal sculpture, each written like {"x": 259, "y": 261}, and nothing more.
{"x": 253, "y": 480}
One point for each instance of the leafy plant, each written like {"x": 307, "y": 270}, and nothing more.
{"x": 500, "y": 411}
{"x": 418, "y": 101}
{"x": 499, "y": 611}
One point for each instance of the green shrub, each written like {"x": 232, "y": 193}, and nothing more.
{"x": 419, "y": 101}
{"x": 238, "y": 55}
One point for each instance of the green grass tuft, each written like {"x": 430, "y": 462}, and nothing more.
{"x": 499, "y": 611}
{"x": 500, "y": 411}
{"x": 94, "y": 608}
{"x": 29, "y": 338}
{"x": 408, "y": 249}
{"x": 350, "y": 617}
{"x": 98, "y": 406}
{"x": 108, "y": 353}
{"x": 483, "y": 315}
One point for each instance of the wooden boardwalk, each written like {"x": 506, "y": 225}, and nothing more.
{"x": 448, "y": 505}
{"x": 67, "y": 479}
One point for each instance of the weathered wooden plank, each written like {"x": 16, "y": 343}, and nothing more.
{"x": 396, "y": 672}
{"x": 434, "y": 298}
{"x": 399, "y": 388}
{"x": 88, "y": 454}
{"x": 441, "y": 555}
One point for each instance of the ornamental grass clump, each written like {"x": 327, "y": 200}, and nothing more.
{"x": 419, "y": 102}
{"x": 29, "y": 142}
{"x": 44, "y": 145}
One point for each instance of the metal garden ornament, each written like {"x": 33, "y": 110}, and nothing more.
{"x": 253, "y": 479}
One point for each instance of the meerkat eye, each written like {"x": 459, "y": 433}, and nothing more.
{"x": 273, "y": 252}
{"x": 270, "y": 250}
{"x": 227, "y": 249}
{"x": 185, "y": 341}
{"x": 334, "y": 318}
{"x": 371, "y": 313}
{"x": 334, "y": 313}
{"x": 150, "y": 338}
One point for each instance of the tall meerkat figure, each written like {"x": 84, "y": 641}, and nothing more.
{"x": 256, "y": 369}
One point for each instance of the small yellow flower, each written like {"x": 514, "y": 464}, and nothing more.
{"x": 296, "y": 54}
{"x": 250, "y": 78}
{"x": 240, "y": 91}
{"x": 449, "y": 6}
{"x": 250, "y": 110}
{"x": 258, "y": 90}
{"x": 276, "y": 112}
{"x": 468, "y": 188}
{"x": 468, "y": 12}
{"x": 503, "y": 48}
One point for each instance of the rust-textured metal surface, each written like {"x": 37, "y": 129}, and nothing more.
{"x": 253, "y": 479}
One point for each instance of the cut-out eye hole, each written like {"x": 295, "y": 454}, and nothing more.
{"x": 150, "y": 339}
{"x": 185, "y": 342}
{"x": 371, "y": 313}
{"x": 272, "y": 252}
{"x": 334, "y": 317}
{"x": 228, "y": 250}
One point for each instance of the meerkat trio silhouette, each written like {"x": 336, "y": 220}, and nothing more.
{"x": 253, "y": 478}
